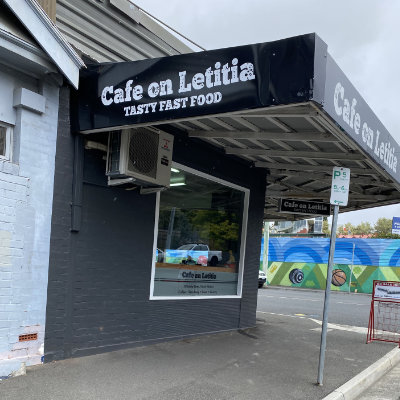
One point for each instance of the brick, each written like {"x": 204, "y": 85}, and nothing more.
{"x": 20, "y": 180}
{"x": 18, "y": 353}
{"x": 10, "y": 168}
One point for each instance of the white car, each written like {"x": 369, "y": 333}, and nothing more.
{"x": 195, "y": 249}
{"x": 262, "y": 278}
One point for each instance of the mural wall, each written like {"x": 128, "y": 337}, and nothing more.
{"x": 302, "y": 262}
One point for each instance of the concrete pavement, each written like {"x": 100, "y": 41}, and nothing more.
{"x": 276, "y": 360}
{"x": 370, "y": 378}
{"x": 387, "y": 388}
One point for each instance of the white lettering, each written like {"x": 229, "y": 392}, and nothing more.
{"x": 128, "y": 88}
{"x": 201, "y": 99}
{"x": 339, "y": 90}
{"x": 198, "y": 81}
{"x": 225, "y": 73}
{"x": 107, "y": 90}
{"x": 209, "y": 98}
{"x": 357, "y": 123}
{"x": 352, "y": 111}
{"x": 346, "y": 111}
{"x": 217, "y": 74}
{"x": 166, "y": 87}
{"x": 234, "y": 70}
{"x": 247, "y": 72}
{"x": 209, "y": 75}
{"x": 153, "y": 90}
{"x": 119, "y": 96}
{"x": 376, "y": 151}
{"x": 383, "y": 150}
{"x": 137, "y": 92}
{"x": 182, "y": 81}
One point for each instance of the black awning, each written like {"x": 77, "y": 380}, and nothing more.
{"x": 191, "y": 85}
{"x": 284, "y": 105}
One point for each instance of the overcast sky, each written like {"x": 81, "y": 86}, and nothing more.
{"x": 362, "y": 36}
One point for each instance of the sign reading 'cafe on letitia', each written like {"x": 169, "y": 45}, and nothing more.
{"x": 290, "y": 71}
{"x": 195, "y": 84}
{"x": 212, "y": 78}
{"x": 304, "y": 207}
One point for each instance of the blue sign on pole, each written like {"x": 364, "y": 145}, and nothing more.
{"x": 396, "y": 225}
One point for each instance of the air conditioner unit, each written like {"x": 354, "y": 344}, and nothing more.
{"x": 139, "y": 156}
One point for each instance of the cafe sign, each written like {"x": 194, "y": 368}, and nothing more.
{"x": 304, "y": 207}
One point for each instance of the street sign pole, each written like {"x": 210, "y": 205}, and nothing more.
{"x": 266, "y": 246}
{"x": 339, "y": 197}
{"x": 327, "y": 296}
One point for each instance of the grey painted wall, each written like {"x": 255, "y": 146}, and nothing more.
{"x": 99, "y": 277}
{"x": 29, "y": 109}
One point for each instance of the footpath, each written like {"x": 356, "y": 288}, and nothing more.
{"x": 387, "y": 388}
{"x": 278, "y": 359}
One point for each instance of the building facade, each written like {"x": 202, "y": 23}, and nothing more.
{"x": 103, "y": 291}
{"x": 29, "y": 83}
{"x": 133, "y": 205}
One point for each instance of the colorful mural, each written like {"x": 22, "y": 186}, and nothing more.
{"x": 302, "y": 262}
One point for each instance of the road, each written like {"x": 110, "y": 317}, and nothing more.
{"x": 345, "y": 308}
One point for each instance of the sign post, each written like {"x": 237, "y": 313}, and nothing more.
{"x": 339, "y": 197}
{"x": 266, "y": 246}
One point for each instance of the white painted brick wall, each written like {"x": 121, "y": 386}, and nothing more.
{"x": 26, "y": 196}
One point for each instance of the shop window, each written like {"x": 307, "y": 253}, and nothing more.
{"x": 200, "y": 237}
{"x": 5, "y": 142}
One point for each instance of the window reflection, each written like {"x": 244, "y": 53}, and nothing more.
{"x": 199, "y": 236}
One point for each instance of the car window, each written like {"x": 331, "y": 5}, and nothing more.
{"x": 185, "y": 247}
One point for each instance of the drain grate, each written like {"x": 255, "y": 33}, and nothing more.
{"x": 28, "y": 337}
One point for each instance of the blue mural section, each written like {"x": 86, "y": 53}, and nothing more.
{"x": 377, "y": 252}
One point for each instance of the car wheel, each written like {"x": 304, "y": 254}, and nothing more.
{"x": 213, "y": 261}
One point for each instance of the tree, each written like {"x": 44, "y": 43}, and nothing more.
{"x": 383, "y": 228}
{"x": 363, "y": 228}
{"x": 219, "y": 229}
{"x": 325, "y": 227}
{"x": 346, "y": 229}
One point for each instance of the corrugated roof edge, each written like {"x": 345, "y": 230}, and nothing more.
{"x": 29, "y": 12}
{"x": 145, "y": 19}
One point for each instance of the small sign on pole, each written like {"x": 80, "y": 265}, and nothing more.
{"x": 303, "y": 207}
{"x": 340, "y": 186}
{"x": 339, "y": 197}
{"x": 396, "y": 226}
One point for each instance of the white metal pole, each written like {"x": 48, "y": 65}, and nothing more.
{"x": 352, "y": 265}
{"x": 327, "y": 296}
{"x": 266, "y": 246}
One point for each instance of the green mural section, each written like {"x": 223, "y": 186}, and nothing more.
{"x": 358, "y": 277}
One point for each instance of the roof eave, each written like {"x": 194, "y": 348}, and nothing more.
{"x": 32, "y": 16}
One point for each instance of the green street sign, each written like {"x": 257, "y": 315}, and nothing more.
{"x": 340, "y": 186}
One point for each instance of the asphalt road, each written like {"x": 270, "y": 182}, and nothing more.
{"x": 345, "y": 308}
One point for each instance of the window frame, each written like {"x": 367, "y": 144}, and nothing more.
{"x": 243, "y": 236}
{"x": 8, "y": 147}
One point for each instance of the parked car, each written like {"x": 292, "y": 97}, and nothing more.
{"x": 262, "y": 278}
{"x": 195, "y": 249}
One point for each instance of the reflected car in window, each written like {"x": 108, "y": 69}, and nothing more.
{"x": 194, "y": 250}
